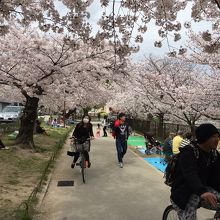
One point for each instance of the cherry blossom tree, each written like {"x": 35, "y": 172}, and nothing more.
{"x": 47, "y": 15}
{"x": 128, "y": 17}
{"x": 171, "y": 89}
{"x": 119, "y": 20}
{"x": 56, "y": 67}
{"x": 48, "y": 66}
{"x": 204, "y": 50}
{"x": 11, "y": 93}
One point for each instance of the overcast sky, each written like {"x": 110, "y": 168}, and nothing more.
{"x": 147, "y": 47}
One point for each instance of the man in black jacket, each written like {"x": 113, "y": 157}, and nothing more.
{"x": 197, "y": 175}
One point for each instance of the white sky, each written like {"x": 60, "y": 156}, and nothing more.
{"x": 147, "y": 47}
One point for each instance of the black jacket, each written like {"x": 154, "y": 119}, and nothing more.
{"x": 194, "y": 172}
{"x": 83, "y": 132}
{"x": 121, "y": 132}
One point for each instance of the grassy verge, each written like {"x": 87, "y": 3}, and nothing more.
{"x": 23, "y": 172}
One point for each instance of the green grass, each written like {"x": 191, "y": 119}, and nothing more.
{"x": 22, "y": 214}
{"x": 13, "y": 181}
{"x": 22, "y": 169}
{"x": 136, "y": 141}
{"x": 6, "y": 140}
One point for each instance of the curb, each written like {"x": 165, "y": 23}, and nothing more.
{"x": 43, "y": 193}
{"x": 146, "y": 163}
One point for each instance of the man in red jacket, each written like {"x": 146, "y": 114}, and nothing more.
{"x": 121, "y": 133}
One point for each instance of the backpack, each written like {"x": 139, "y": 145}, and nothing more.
{"x": 170, "y": 171}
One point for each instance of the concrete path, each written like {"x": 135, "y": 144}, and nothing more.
{"x": 136, "y": 192}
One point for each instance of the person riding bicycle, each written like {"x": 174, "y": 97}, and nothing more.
{"x": 197, "y": 175}
{"x": 82, "y": 133}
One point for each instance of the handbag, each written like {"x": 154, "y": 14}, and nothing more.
{"x": 72, "y": 151}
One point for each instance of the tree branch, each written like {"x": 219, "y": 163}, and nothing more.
{"x": 217, "y": 3}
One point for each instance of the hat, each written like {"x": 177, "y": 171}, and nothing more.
{"x": 204, "y": 132}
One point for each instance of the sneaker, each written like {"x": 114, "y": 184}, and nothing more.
{"x": 5, "y": 148}
{"x": 121, "y": 165}
{"x": 72, "y": 165}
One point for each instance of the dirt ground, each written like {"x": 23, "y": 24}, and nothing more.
{"x": 21, "y": 170}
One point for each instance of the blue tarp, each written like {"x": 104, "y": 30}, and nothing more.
{"x": 157, "y": 163}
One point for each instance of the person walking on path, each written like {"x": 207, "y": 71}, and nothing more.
{"x": 177, "y": 141}
{"x": 82, "y": 132}
{"x": 104, "y": 125}
{"x": 99, "y": 116}
{"x": 197, "y": 180}
{"x": 98, "y": 131}
{"x": 121, "y": 134}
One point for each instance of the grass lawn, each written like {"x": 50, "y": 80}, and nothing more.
{"x": 21, "y": 169}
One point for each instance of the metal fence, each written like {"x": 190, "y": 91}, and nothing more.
{"x": 142, "y": 126}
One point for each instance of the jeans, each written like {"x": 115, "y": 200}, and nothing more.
{"x": 121, "y": 146}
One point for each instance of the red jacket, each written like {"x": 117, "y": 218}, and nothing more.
{"x": 117, "y": 124}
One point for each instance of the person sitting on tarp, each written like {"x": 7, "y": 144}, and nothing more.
{"x": 39, "y": 129}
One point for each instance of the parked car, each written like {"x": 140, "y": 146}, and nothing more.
{"x": 11, "y": 113}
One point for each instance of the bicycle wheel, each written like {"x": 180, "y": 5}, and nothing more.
{"x": 170, "y": 213}
{"x": 83, "y": 167}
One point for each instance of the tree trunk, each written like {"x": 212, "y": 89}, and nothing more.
{"x": 86, "y": 110}
{"x": 26, "y": 130}
{"x": 160, "y": 125}
{"x": 69, "y": 113}
{"x": 193, "y": 129}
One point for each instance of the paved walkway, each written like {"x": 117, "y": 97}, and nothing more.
{"x": 135, "y": 192}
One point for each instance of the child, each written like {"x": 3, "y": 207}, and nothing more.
{"x": 104, "y": 125}
{"x": 98, "y": 131}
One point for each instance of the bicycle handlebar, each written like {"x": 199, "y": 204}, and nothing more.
{"x": 79, "y": 139}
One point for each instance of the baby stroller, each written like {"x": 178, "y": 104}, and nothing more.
{"x": 152, "y": 146}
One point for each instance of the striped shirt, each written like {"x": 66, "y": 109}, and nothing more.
{"x": 184, "y": 142}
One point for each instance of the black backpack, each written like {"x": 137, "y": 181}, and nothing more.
{"x": 170, "y": 171}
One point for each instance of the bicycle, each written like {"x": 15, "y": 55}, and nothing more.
{"x": 171, "y": 214}
{"x": 82, "y": 146}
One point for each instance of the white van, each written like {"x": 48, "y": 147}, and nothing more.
{"x": 11, "y": 113}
